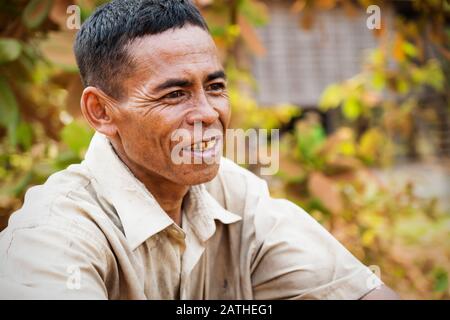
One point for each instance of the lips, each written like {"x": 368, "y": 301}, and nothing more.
{"x": 202, "y": 145}
{"x": 206, "y": 148}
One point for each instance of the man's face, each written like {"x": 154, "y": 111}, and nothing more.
{"x": 178, "y": 84}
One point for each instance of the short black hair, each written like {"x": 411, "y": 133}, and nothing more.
{"x": 100, "y": 45}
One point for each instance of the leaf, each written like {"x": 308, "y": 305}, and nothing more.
{"x": 75, "y": 90}
{"x": 251, "y": 37}
{"x": 440, "y": 281}
{"x": 58, "y": 13}
{"x": 325, "y": 189}
{"x": 77, "y": 135}
{"x": 409, "y": 49}
{"x": 368, "y": 237}
{"x": 64, "y": 159}
{"x": 350, "y": 9}
{"x": 57, "y": 48}
{"x": 310, "y": 138}
{"x": 331, "y": 97}
{"x": 371, "y": 144}
{"x": 9, "y": 111}
{"x": 255, "y": 12}
{"x": 24, "y": 135}
{"x": 298, "y": 6}
{"x": 352, "y": 108}
{"x": 325, "y": 4}
{"x": 378, "y": 80}
{"x": 10, "y": 50}
{"x": 291, "y": 170}
{"x": 22, "y": 184}
{"x": 434, "y": 75}
{"x": 35, "y": 12}
{"x": 398, "y": 52}
{"x": 402, "y": 86}
{"x": 307, "y": 19}
{"x": 347, "y": 148}
{"x": 377, "y": 57}
{"x": 340, "y": 142}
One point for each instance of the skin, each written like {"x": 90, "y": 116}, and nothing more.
{"x": 178, "y": 81}
{"x": 141, "y": 124}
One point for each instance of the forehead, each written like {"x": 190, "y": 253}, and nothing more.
{"x": 180, "y": 51}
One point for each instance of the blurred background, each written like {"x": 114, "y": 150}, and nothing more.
{"x": 363, "y": 107}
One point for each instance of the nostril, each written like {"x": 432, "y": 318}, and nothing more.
{"x": 202, "y": 117}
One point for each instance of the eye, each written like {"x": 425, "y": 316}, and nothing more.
{"x": 216, "y": 87}
{"x": 175, "y": 94}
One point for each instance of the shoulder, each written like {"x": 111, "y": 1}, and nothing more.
{"x": 244, "y": 193}
{"x": 64, "y": 203}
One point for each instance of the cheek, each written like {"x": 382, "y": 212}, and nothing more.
{"x": 136, "y": 134}
{"x": 142, "y": 123}
{"x": 132, "y": 127}
{"x": 149, "y": 134}
{"x": 224, "y": 110}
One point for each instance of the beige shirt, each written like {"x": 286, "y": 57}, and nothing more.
{"x": 93, "y": 231}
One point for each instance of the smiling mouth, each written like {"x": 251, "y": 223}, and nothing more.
{"x": 202, "y": 145}
{"x": 204, "y": 148}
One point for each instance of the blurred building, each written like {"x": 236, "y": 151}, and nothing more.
{"x": 300, "y": 63}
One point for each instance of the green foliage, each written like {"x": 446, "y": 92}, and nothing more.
{"x": 309, "y": 140}
{"x": 9, "y": 50}
{"x": 42, "y": 131}
{"x": 389, "y": 227}
{"x": 77, "y": 136}
{"x": 254, "y": 11}
{"x": 441, "y": 280}
{"x": 9, "y": 112}
{"x": 36, "y": 12}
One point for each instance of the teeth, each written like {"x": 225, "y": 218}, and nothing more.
{"x": 210, "y": 144}
{"x": 204, "y": 145}
{"x": 198, "y": 146}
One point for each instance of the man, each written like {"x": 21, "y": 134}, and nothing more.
{"x": 129, "y": 222}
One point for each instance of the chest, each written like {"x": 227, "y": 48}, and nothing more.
{"x": 174, "y": 268}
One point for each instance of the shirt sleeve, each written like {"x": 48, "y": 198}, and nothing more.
{"x": 296, "y": 258}
{"x": 51, "y": 262}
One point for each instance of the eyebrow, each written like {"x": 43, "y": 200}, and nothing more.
{"x": 186, "y": 83}
{"x": 216, "y": 75}
{"x": 173, "y": 83}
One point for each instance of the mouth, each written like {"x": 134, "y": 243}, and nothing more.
{"x": 206, "y": 148}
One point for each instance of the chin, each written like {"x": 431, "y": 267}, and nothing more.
{"x": 198, "y": 174}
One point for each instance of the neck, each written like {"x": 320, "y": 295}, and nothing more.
{"x": 168, "y": 194}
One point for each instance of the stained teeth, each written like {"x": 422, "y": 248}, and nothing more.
{"x": 201, "y": 146}
{"x": 210, "y": 144}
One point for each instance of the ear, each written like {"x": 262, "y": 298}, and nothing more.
{"x": 96, "y": 108}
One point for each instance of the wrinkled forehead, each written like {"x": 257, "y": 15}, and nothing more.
{"x": 185, "y": 46}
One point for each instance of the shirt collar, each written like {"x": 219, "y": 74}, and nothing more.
{"x": 140, "y": 214}
{"x": 202, "y": 210}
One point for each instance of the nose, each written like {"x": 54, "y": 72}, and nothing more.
{"x": 204, "y": 112}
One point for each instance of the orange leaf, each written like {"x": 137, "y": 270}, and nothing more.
{"x": 307, "y": 19}
{"x": 58, "y": 13}
{"x": 398, "y": 53}
{"x": 325, "y": 4}
{"x": 325, "y": 189}
{"x": 58, "y": 48}
{"x": 298, "y": 6}
{"x": 251, "y": 37}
